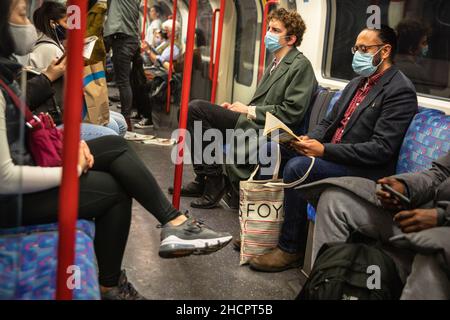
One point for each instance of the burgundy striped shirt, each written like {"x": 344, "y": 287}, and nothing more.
{"x": 359, "y": 97}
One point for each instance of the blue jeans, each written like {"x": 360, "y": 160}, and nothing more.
{"x": 117, "y": 123}
{"x": 294, "y": 230}
{"x": 91, "y": 131}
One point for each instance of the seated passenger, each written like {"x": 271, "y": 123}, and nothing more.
{"x": 51, "y": 22}
{"x": 361, "y": 137}
{"x": 412, "y": 48}
{"x": 111, "y": 176}
{"x": 426, "y": 224}
{"x": 285, "y": 91}
{"x": 161, "y": 54}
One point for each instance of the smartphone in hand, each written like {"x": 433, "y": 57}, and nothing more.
{"x": 61, "y": 58}
{"x": 405, "y": 201}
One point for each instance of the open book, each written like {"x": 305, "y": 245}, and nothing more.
{"x": 278, "y": 131}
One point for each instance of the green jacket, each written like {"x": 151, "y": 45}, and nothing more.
{"x": 95, "y": 21}
{"x": 286, "y": 94}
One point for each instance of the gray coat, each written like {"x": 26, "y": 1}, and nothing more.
{"x": 428, "y": 189}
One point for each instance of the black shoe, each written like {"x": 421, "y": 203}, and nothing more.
{"x": 215, "y": 189}
{"x": 123, "y": 291}
{"x": 194, "y": 189}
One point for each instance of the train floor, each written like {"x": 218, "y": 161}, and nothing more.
{"x": 213, "y": 277}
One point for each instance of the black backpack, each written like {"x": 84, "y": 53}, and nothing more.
{"x": 346, "y": 272}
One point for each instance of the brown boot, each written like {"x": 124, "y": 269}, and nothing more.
{"x": 276, "y": 261}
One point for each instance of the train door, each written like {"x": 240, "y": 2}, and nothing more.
{"x": 248, "y": 30}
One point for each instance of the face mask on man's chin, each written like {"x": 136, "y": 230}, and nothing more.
{"x": 24, "y": 37}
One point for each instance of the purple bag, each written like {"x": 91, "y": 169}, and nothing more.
{"x": 44, "y": 138}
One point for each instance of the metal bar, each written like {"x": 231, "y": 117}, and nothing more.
{"x": 69, "y": 191}
{"x": 172, "y": 44}
{"x": 218, "y": 51}
{"x": 185, "y": 95}
{"x": 144, "y": 23}
{"x": 213, "y": 44}
{"x": 262, "y": 50}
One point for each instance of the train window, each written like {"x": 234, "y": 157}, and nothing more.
{"x": 247, "y": 33}
{"x": 423, "y": 28}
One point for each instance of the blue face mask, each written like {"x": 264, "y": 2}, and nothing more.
{"x": 363, "y": 64}
{"x": 272, "y": 42}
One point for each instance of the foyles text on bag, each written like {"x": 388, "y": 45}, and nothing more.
{"x": 261, "y": 212}
{"x": 96, "y": 98}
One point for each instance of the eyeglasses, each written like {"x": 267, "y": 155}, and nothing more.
{"x": 362, "y": 48}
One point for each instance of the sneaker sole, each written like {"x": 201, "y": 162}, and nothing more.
{"x": 174, "y": 247}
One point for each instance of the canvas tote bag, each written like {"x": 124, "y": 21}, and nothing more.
{"x": 261, "y": 212}
{"x": 96, "y": 108}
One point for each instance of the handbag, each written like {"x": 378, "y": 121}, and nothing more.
{"x": 261, "y": 212}
{"x": 44, "y": 138}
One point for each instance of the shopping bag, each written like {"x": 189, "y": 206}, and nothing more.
{"x": 95, "y": 89}
{"x": 261, "y": 212}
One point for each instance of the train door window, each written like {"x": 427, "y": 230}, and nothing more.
{"x": 247, "y": 33}
{"x": 201, "y": 82}
{"x": 423, "y": 30}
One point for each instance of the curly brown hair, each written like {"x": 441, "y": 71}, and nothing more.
{"x": 292, "y": 21}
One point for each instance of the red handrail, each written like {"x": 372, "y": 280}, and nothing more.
{"x": 172, "y": 44}
{"x": 218, "y": 50}
{"x": 144, "y": 23}
{"x": 213, "y": 44}
{"x": 262, "y": 50}
{"x": 69, "y": 192}
{"x": 185, "y": 95}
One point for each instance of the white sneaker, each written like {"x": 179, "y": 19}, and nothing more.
{"x": 144, "y": 124}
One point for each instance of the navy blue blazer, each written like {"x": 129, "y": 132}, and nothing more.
{"x": 372, "y": 139}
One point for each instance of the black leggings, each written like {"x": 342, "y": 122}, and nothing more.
{"x": 106, "y": 194}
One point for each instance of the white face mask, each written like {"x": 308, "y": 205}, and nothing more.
{"x": 24, "y": 36}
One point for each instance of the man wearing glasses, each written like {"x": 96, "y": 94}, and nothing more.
{"x": 362, "y": 137}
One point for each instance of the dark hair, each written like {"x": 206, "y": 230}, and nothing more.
{"x": 158, "y": 9}
{"x": 292, "y": 21}
{"x": 410, "y": 33}
{"x": 387, "y": 35}
{"x": 47, "y": 12}
{"x": 7, "y": 42}
{"x": 200, "y": 38}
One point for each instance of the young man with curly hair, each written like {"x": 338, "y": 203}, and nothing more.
{"x": 285, "y": 91}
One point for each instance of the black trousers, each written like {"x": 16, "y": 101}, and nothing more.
{"x": 106, "y": 194}
{"x": 210, "y": 116}
{"x": 124, "y": 48}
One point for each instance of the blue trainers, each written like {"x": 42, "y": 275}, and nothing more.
{"x": 191, "y": 237}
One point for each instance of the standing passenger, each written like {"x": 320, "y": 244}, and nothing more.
{"x": 122, "y": 33}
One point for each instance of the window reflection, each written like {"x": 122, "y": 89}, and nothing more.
{"x": 423, "y": 28}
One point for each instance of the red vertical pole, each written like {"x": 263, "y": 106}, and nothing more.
{"x": 262, "y": 50}
{"x": 185, "y": 95}
{"x": 218, "y": 50}
{"x": 172, "y": 44}
{"x": 213, "y": 44}
{"x": 144, "y": 22}
{"x": 69, "y": 191}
